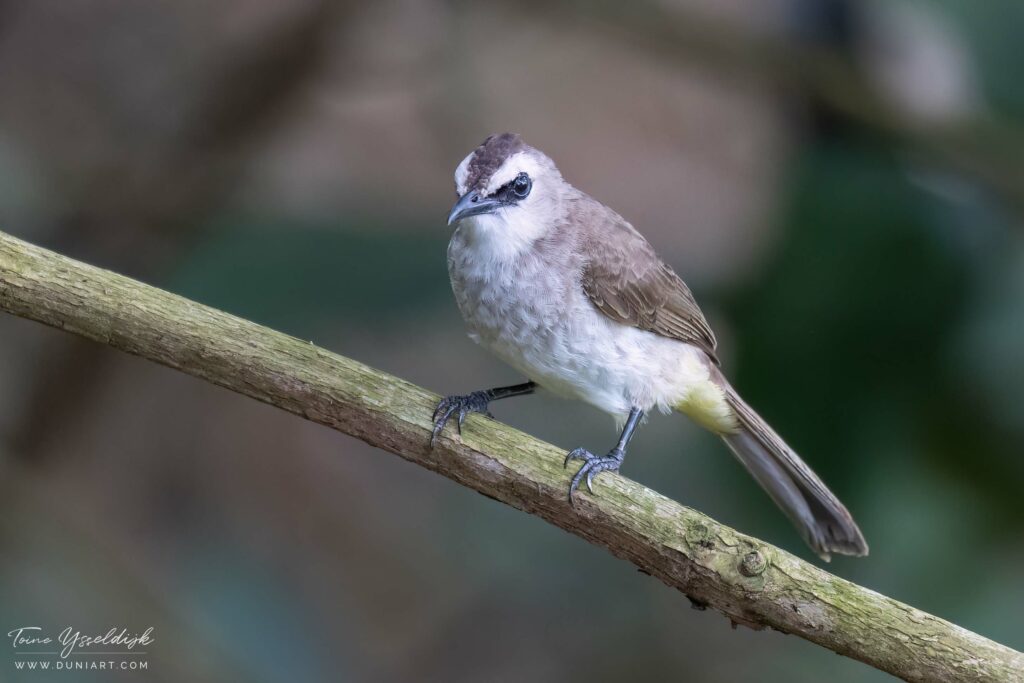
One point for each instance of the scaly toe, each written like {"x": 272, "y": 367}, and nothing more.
{"x": 460, "y": 405}
{"x": 577, "y": 454}
{"x": 440, "y": 422}
{"x": 592, "y": 466}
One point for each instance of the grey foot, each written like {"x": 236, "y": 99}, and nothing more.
{"x": 461, "y": 405}
{"x": 592, "y": 465}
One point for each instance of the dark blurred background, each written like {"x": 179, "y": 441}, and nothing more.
{"x": 840, "y": 182}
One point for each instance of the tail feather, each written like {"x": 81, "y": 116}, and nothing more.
{"x": 823, "y": 521}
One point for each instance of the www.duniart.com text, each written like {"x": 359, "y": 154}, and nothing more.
{"x": 34, "y": 665}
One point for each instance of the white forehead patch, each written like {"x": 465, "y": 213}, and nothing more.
{"x": 460, "y": 174}
{"x": 520, "y": 162}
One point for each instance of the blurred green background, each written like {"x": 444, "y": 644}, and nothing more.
{"x": 840, "y": 182}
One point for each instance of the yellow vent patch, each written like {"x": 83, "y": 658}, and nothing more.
{"x": 705, "y": 404}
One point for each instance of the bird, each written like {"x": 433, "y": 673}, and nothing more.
{"x": 567, "y": 292}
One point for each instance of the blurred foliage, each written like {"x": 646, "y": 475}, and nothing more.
{"x": 293, "y": 275}
{"x": 995, "y": 42}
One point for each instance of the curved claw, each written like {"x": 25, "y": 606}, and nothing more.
{"x": 440, "y": 423}
{"x": 464, "y": 405}
{"x": 592, "y": 466}
{"x": 576, "y": 454}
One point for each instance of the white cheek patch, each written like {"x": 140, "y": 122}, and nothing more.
{"x": 460, "y": 174}
{"x": 513, "y": 166}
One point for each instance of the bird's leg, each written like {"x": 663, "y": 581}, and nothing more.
{"x": 593, "y": 464}
{"x": 473, "y": 403}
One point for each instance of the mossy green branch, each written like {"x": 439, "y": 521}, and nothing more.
{"x": 751, "y": 582}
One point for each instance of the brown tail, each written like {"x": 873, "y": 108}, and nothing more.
{"x": 823, "y": 521}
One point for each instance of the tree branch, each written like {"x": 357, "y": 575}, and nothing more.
{"x": 751, "y": 582}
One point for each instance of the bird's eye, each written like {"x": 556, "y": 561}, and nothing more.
{"x": 522, "y": 185}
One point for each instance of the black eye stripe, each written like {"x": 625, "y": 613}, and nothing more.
{"x": 516, "y": 189}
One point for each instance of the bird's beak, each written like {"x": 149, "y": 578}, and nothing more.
{"x": 472, "y": 204}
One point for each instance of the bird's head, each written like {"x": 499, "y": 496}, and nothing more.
{"x": 507, "y": 189}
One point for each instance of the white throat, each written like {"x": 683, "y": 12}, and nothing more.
{"x": 501, "y": 236}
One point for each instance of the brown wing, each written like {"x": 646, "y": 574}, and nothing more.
{"x": 626, "y": 281}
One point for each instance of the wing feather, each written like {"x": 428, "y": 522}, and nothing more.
{"x": 625, "y": 280}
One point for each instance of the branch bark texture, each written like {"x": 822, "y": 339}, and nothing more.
{"x": 748, "y": 580}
